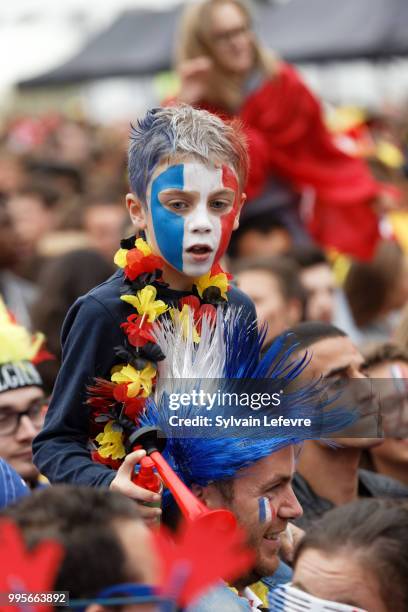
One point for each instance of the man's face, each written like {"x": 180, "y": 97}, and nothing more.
{"x": 32, "y": 220}
{"x": 15, "y": 446}
{"x": 192, "y": 211}
{"x": 270, "y": 304}
{"x": 340, "y": 363}
{"x": 269, "y": 478}
{"x": 318, "y": 282}
{"x": 339, "y": 577}
{"x": 390, "y": 381}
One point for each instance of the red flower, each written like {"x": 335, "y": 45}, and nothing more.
{"x": 138, "y": 264}
{"x": 199, "y": 311}
{"x": 113, "y": 463}
{"x": 120, "y": 392}
{"x": 133, "y": 406}
{"x": 216, "y": 269}
{"x": 138, "y": 330}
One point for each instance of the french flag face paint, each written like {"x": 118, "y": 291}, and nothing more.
{"x": 193, "y": 208}
{"x": 265, "y": 510}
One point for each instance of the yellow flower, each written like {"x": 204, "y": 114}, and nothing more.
{"x": 120, "y": 258}
{"x": 218, "y": 280}
{"x": 111, "y": 442}
{"x": 143, "y": 246}
{"x": 145, "y": 302}
{"x": 135, "y": 379}
{"x": 183, "y": 317}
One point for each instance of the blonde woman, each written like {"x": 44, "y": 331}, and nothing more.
{"x": 224, "y": 69}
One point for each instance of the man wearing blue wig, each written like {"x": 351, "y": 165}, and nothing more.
{"x": 248, "y": 470}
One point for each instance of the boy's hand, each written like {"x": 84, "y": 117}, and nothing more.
{"x": 123, "y": 483}
{"x": 194, "y": 79}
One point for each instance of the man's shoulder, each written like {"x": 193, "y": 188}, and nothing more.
{"x": 379, "y": 485}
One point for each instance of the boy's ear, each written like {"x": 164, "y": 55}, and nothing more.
{"x": 137, "y": 211}
{"x": 240, "y": 205}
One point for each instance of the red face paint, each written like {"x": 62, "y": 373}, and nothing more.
{"x": 230, "y": 181}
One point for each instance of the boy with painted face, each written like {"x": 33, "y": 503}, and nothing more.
{"x": 186, "y": 169}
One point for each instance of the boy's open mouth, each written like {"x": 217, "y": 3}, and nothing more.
{"x": 199, "y": 249}
{"x": 199, "y": 252}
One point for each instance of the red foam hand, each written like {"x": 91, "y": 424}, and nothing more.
{"x": 205, "y": 551}
{"x": 28, "y": 571}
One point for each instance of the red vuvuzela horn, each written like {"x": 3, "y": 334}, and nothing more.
{"x": 153, "y": 440}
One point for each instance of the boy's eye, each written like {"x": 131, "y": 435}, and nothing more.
{"x": 220, "y": 204}
{"x": 178, "y": 205}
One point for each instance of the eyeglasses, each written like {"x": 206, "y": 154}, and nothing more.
{"x": 127, "y": 594}
{"x": 223, "y": 38}
{"x": 10, "y": 419}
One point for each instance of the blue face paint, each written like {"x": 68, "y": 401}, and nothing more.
{"x": 264, "y": 510}
{"x": 168, "y": 226}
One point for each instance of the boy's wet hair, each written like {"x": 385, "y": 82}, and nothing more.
{"x": 183, "y": 131}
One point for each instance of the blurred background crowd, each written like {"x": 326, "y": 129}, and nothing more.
{"x": 63, "y": 154}
{"x": 63, "y": 165}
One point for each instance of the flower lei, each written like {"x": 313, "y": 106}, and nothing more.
{"x": 117, "y": 404}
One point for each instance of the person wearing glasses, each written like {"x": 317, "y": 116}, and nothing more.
{"x": 22, "y": 398}
{"x": 223, "y": 69}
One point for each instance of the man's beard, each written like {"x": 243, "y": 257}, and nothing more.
{"x": 257, "y": 572}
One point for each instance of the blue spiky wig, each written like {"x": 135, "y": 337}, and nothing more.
{"x": 206, "y": 459}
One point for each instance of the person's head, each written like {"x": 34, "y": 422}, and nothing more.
{"x": 33, "y": 209}
{"x": 105, "y": 541}
{"x": 187, "y": 170}
{"x": 387, "y": 366}
{"x": 334, "y": 358}
{"x": 22, "y": 402}
{"x": 222, "y": 31}
{"x": 104, "y": 221}
{"x": 318, "y": 281}
{"x": 274, "y": 287}
{"x": 357, "y": 554}
{"x": 261, "y": 235}
{"x": 269, "y": 478}
{"x": 378, "y": 287}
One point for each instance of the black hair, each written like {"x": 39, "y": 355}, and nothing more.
{"x": 309, "y": 332}
{"x": 308, "y": 256}
{"x": 262, "y": 223}
{"x": 281, "y": 268}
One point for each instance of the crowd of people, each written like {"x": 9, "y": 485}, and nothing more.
{"x": 250, "y": 245}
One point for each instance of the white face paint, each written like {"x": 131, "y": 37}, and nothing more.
{"x": 201, "y": 228}
{"x": 193, "y": 212}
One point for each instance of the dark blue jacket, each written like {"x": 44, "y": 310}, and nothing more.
{"x": 90, "y": 332}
